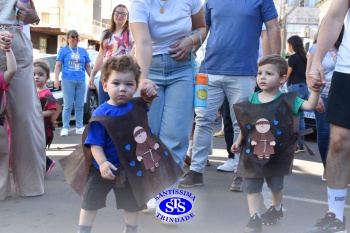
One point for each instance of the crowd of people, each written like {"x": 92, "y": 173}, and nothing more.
{"x": 150, "y": 52}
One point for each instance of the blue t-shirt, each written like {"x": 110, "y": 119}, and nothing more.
{"x": 235, "y": 28}
{"x": 97, "y": 134}
{"x": 73, "y": 69}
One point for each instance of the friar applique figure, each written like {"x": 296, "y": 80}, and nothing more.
{"x": 263, "y": 139}
{"x": 146, "y": 149}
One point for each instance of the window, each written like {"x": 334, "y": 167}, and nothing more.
{"x": 45, "y": 17}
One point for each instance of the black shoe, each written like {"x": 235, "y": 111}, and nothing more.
{"x": 271, "y": 216}
{"x": 191, "y": 179}
{"x": 328, "y": 224}
{"x": 254, "y": 225}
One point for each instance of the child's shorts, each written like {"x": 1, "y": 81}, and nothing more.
{"x": 254, "y": 185}
{"x": 96, "y": 191}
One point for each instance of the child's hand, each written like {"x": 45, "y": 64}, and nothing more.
{"x": 236, "y": 146}
{"x": 5, "y": 41}
{"x": 106, "y": 170}
{"x": 148, "y": 90}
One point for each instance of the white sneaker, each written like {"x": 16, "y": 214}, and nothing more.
{"x": 80, "y": 130}
{"x": 64, "y": 132}
{"x": 228, "y": 166}
{"x": 151, "y": 207}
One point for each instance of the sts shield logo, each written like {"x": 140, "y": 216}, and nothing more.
{"x": 175, "y": 205}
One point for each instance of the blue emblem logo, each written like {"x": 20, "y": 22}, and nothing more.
{"x": 175, "y": 205}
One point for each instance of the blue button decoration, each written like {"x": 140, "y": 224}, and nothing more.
{"x": 275, "y": 122}
{"x": 152, "y": 132}
{"x": 247, "y": 150}
{"x": 139, "y": 173}
{"x": 248, "y": 127}
{"x": 248, "y": 139}
{"x": 132, "y": 163}
{"x": 281, "y": 144}
{"x": 166, "y": 153}
{"x": 279, "y": 132}
{"x": 127, "y": 147}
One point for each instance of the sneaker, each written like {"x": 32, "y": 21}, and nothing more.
{"x": 49, "y": 165}
{"x": 151, "y": 207}
{"x": 254, "y": 225}
{"x": 191, "y": 179}
{"x": 219, "y": 134}
{"x": 299, "y": 149}
{"x": 228, "y": 166}
{"x": 64, "y": 132}
{"x": 80, "y": 130}
{"x": 328, "y": 224}
{"x": 188, "y": 160}
{"x": 271, "y": 216}
{"x": 237, "y": 184}
{"x": 324, "y": 176}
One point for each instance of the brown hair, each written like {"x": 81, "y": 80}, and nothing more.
{"x": 124, "y": 63}
{"x": 43, "y": 65}
{"x": 274, "y": 59}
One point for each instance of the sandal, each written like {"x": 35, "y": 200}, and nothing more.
{"x": 219, "y": 134}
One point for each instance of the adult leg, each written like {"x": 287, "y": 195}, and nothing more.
{"x": 27, "y": 123}
{"x": 338, "y": 162}
{"x": 68, "y": 91}
{"x": 204, "y": 123}
{"x": 79, "y": 103}
{"x": 323, "y": 127}
{"x": 4, "y": 165}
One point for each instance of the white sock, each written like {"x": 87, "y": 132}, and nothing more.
{"x": 336, "y": 201}
{"x": 278, "y": 207}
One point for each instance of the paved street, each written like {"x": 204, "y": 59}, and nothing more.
{"x": 216, "y": 208}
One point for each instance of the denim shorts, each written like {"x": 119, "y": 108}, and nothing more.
{"x": 254, "y": 185}
{"x": 96, "y": 191}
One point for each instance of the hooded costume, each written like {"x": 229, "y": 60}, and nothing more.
{"x": 145, "y": 183}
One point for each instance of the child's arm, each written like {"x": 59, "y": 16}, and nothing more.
{"x": 235, "y": 146}
{"x": 48, "y": 113}
{"x": 105, "y": 166}
{"x": 311, "y": 103}
{"x": 149, "y": 92}
{"x": 11, "y": 66}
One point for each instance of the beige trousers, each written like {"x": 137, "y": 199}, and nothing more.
{"x": 26, "y": 121}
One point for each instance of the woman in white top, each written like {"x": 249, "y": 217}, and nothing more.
{"x": 322, "y": 124}
{"x": 165, "y": 33}
{"x": 115, "y": 41}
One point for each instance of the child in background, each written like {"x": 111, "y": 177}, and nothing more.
{"x": 267, "y": 138}
{"x": 126, "y": 155}
{"x": 5, "y": 79}
{"x": 48, "y": 104}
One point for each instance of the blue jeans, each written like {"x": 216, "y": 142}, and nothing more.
{"x": 73, "y": 92}
{"x": 236, "y": 89}
{"x": 171, "y": 114}
{"x": 102, "y": 95}
{"x": 303, "y": 92}
{"x": 323, "y": 132}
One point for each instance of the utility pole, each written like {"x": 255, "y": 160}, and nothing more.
{"x": 283, "y": 22}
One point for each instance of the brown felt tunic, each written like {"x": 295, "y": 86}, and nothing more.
{"x": 144, "y": 183}
{"x": 280, "y": 115}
